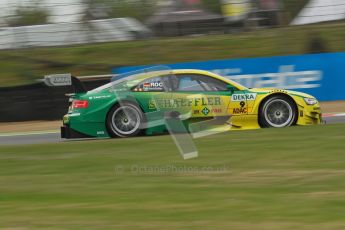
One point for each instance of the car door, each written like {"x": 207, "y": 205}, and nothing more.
{"x": 153, "y": 94}
{"x": 201, "y": 95}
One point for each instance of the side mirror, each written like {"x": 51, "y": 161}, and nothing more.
{"x": 231, "y": 88}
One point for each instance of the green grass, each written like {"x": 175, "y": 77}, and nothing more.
{"x": 290, "y": 178}
{"x": 25, "y": 65}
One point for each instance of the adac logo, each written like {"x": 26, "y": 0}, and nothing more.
{"x": 241, "y": 110}
{"x": 205, "y": 111}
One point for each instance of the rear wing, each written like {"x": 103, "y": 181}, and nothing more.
{"x": 56, "y": 80}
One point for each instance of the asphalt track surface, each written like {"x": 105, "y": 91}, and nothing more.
{"x": 54, "y": 137}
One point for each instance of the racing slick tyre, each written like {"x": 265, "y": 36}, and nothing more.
{"x": 278, "y": 111}
{"x": 125, "y": 120}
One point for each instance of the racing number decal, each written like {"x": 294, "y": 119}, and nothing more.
{"x": 241, "y": 103}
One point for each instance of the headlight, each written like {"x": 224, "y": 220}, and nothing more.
{"x": 310, "y": 101}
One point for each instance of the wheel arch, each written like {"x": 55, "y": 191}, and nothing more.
{"x": 131, "y": 101}
{"x": 123, "y": 101}
{"x": 282, "y": 94}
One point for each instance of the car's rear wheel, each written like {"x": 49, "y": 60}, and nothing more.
{"x": 125, "y": 120}
{"x": 278, "y": 112}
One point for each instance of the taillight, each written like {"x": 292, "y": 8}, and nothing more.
{"x": 80, "y": 104}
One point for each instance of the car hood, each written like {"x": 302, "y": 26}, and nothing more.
{"x": 270, "y": 90}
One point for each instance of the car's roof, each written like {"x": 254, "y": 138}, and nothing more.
{"x": 143, "y": 76}
{"x": 136, "y": 78}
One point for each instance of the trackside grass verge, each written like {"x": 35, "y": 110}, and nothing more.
{"x": 291, "y": 178}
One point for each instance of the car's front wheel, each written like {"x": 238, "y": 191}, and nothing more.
{"x": 124, "y": 120}
{"x": 278, "y": 111}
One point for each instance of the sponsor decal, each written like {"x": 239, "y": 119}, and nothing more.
{"x": 241, "y": 110}
{"x": 152, "y": 104}
{"x": 217, "y": 110}
{"x": 207, "y": 101}
{"x": 153, "y": 86}
{"x": 156, "y": 85}
{"x": 244, "y": 97}
{"x": 205, "y": 111}
{"x": 99, "y": 97}
{"x": 185, "y": 102}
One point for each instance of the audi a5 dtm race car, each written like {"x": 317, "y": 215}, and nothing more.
{"x": 138, "y": 104}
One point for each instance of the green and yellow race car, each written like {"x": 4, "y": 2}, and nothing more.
{"x": 140, "y": 103}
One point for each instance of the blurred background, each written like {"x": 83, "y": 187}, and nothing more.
{"x": 91, "y": 37}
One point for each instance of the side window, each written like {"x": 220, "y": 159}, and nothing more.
{"x": 195, "y": 82}
{"x": 157, "y": 84}
{"x": 189, "y": 83}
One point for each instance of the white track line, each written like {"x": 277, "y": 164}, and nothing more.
{"x": 333, "y": 115}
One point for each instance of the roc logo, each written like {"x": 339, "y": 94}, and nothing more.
{"x": 243, "y": 97}
{"x": 205, "y": 111}
{"x": 153, "y": 85}
{"x": 156, "y": 85}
